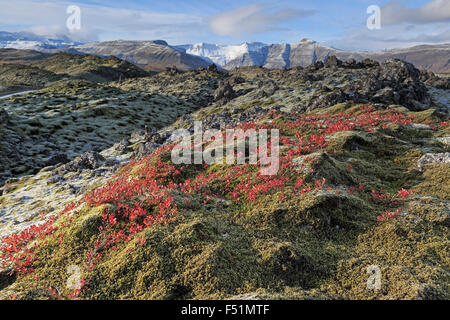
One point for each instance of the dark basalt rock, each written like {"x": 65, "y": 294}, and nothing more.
{"x": 431, "y": 79}
{"x": 212, "y": 68}
{"x": 172, "y": 71}
{"x": 352, "y": 64}
{"x": 315, "y": 66}
{"x": 332, "y": 61}
{"x": 7, "y": 278}
{"x": 122, "y": 146}
{"x": 369, "y": 63}
{"x": 398, "y": 71}
{"x": 58, "y": 158}
{"x": 235, "y": 80}
{"x": 329, "y": 99}
{"x": 394, "y": 82}
{"x": 144, "y": 149}
{"x": 4, "y": 118}
{"x": 224, "y": 93}
{"x": 89, "y": 160}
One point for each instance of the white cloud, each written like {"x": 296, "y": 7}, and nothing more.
{"x": 97, "y": 22}
{"x": 253, "y": 19}
{"x": 392, "y": 37}
{"x": 395, "y": 12}
{"x": 401, "y": 27}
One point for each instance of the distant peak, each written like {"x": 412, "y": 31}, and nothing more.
{"x": 160, "y": 42}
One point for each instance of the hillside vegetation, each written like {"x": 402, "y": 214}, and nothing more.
{"x": 363, "y": 182}
{"x": 37, "y": 73}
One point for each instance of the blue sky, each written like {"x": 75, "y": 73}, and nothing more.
{"x": 341, "y": 24}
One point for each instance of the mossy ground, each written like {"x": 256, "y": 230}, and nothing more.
{"x": 281, "y": 244}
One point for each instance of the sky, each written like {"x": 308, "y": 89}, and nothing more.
{"x": 338, "y": 23}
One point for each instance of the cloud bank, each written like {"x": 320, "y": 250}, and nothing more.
{"x": 98, "y": 22}
{"x": 253, "y": 19}
{"x": 395, "y": 12}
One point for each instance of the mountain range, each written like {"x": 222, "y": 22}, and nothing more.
{"x": 157, "y": 55}
{"x": 31, "y": 41}
{"x": 150, "y": 55}
{"x": 434, "y": 58}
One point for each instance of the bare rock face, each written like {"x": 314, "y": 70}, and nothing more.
{"x": 122, "y": 146}
{"x": 431, "y": 79}
{"x": 396, "y": 81}
{"x": 398, "y": 70}
{"x": 328, "y": 99}
{"x": 332, "y": 61}
{"x": 224, "y": 93}
{"x": 433, "y": 158}
{"x": 89, "y": 160}
{"x": 57, "y": 158}
{"x": 369, "y": 63}
{"x": 440, "y": 83}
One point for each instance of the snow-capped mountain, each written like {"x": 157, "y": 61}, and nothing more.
{"x": 258, "y": 54}
{"x": 157, "y": 55}
{"x": 30, "y": 41}
{"x": 223, "y": 54}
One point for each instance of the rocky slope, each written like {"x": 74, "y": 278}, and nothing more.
{"x": 20, "y": 56}
{"x": 149, "y": 55}
{"x": 36, "y": 71}
{"x": 435, "y": 58}
{"x": 363, "y": 181}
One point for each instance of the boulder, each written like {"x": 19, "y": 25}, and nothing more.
{"x": 224, "y": 93}
{"x": 57, "y": 158}
{"x": 430, "y": 158}
{"x": 89, "y": 160}
{"x": 332, "y": 61}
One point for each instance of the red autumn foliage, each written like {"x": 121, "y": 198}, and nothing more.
{"x": 143, "y": 192}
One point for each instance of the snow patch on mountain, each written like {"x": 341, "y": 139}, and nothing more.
{"x": 223, "y": 54}
{"x": 30, "y": 41}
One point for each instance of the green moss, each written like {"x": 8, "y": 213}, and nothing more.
{"x": 316, "y": 245}
{"x": 340, "y": 107}
{"x": 409, "y": 158}
{"x": 430, "y": 114}
{"x": 437, "y": 177}
{"x": 412, "y": 266}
